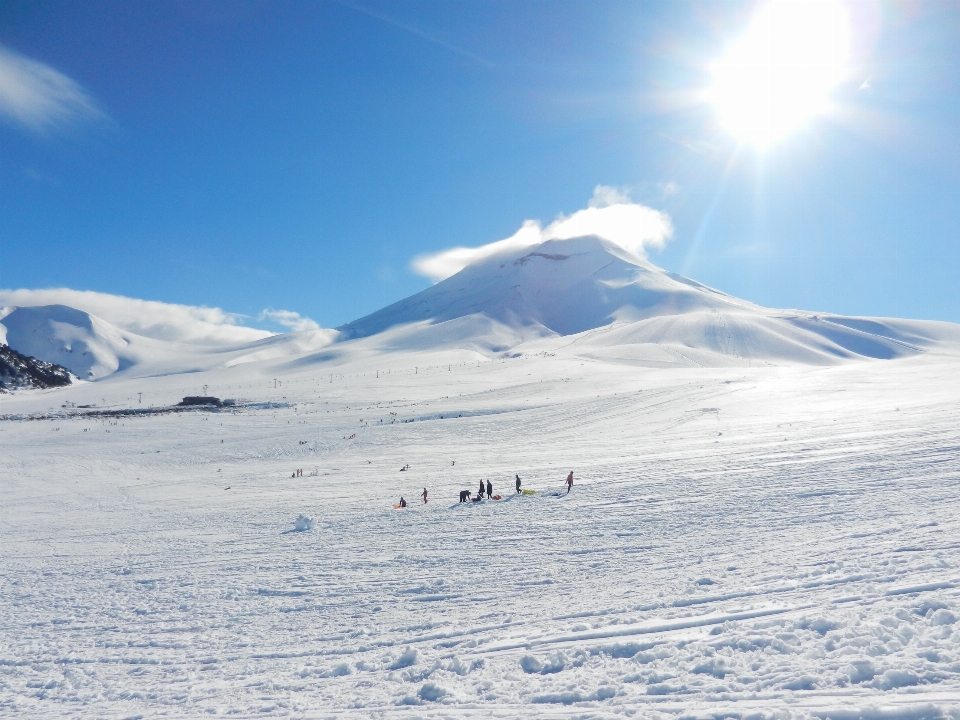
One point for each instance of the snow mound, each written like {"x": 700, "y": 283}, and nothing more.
{"x": 303, "y": 523}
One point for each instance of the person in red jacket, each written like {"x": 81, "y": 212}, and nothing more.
{"x": 569, "y": 481}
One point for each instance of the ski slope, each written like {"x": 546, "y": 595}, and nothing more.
{"x": 740, "y": 541}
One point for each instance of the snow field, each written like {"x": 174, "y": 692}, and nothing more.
{"x": 776, "y": 542}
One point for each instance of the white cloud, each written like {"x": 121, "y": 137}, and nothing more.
{"x": 164, "y": 321}
{"x": 607, "y": 195}
{"x": 39, "y": 97}
{"x": 289, "y": 319}
{"x": 445, "y": 263}
{"x": 610, "y": 215}
{"x": 669, "y": 188}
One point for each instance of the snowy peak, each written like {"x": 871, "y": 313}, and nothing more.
{"x": 561, "y": 286}
{"x": 88, "y": 346}
{"x": 92, "y": 348}
{"x": 613, "y": 306}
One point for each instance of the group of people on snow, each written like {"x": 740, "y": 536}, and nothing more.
{"x": 485, "y": 488}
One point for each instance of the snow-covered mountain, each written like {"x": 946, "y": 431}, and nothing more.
{"x": 561, "y": 287}
{"x": 608, "y": 304}
{"x": 586, "y": 296}
{"x": 91, "y": 348}
{"x": 88, "y": 346}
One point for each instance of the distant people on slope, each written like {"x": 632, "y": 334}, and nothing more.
{"x": 424, "y": 496}
{"x": 518, "y": 485}
{"x": 482, "y": 488}
{"x": 464, "y": 496}
{"x": 569, "y": 481}
{"x": 403, "y": 503}
{"x": 489, "y": 489}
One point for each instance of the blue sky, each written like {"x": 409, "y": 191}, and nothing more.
{"x": 299, "y": 156}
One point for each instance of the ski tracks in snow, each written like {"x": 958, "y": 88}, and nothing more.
{"x": 736, "y": 542}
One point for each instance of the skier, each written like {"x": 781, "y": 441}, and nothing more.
{"x": 403, "y": 503}
{"x": 482, "y": 488}
{"x": 569, "y": 481}
{"x": 489, "y": 489}
{"x": 518, "y": 484}
{"x": 424, "y": 495}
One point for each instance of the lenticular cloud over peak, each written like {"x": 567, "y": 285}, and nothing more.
{"x": 150, "y": 318}
{"x": 611, "y": 215}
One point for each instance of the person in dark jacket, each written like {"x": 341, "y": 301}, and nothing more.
{"x": 482, "y": 488}
{"x": 489, "y": 489}
{"x": 403, "y": 503}
{"x": 518, "y": 484}
{"x": 464, "y": 496}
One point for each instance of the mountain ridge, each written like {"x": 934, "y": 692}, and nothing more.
{"x": 585, "y": 295}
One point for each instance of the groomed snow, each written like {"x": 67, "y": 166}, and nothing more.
{"x": 739, "y": 541}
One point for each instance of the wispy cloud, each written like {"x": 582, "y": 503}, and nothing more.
{"x": 164, "y": 321}
{"x": 40, "y": 98}
{"x": 289, "y": 319}
{"x": 413, "y": 30}
{"x": 610, "y": 214}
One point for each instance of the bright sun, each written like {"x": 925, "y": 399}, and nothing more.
{"x": 781, "y": 72}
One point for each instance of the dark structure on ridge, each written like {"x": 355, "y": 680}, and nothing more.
{"x": 201, "y": 400}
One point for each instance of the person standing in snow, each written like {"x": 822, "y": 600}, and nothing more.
{"x": 489, "y": 489}
{"x": 518, "y": 484}
{"x": 424, "y": 495}
{"x": 569, "y": 481}
{"x": 482, "y": 488}
{"x": 403, "y": 503}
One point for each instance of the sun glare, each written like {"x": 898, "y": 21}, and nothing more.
{"x": 783, "y": 69}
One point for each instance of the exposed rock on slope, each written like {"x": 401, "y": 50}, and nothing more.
{"x": 23, "y": 371}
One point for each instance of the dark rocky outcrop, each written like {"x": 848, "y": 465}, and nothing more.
{"x": 22, "y": 371}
